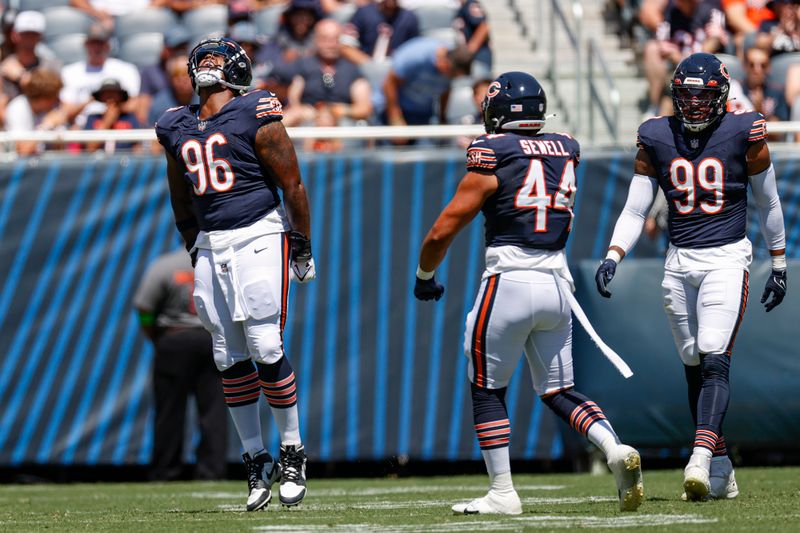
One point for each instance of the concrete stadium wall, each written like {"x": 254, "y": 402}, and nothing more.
{"x": 380, "y": 374}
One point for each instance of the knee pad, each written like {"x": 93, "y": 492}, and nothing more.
{"x": 266, "y": 345}
{"x": 712, "y": 340}
{"x": 688, "y": 353}
{"x": 715, "y": 366}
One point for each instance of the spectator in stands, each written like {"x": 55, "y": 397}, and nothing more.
{"x": 689, "y": 26}
{"x": 376, "y": 30}
{"x": 26, "y": 35}
{"x": 82, "y": 78}
{"x": 178, "y": 91}
{"x": 326, "y": 85}
{"x": 419, "y": 81}
{"x": 756, "y": 93}
{"x": 104, "y": 11}
{"x": 246, "y": 34}
{"x": 296, "y": 32}
{"x": 651, "y": 15}
{"x": 743, "y": 18}
{"x": 114, "y": 117}
{"x": 155, "y": 78}
{"x": 37, "y": 108}
{"x": 781, "y": 34}
{"x": 471, "y": 22}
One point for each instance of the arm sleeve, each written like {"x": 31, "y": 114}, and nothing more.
{"x": 765, "y": 194}
{"x": 631, "y": 221}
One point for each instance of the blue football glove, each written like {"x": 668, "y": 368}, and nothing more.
{"x": 776, "y": 285}
{"x": 605, "y": 273}
{"x": 428, "y": 289}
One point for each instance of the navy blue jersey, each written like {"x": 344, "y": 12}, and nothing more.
{"x": 369, "y": 25}
{"x": 532, "y": 206}
{"x": 230, "y": 188}
{"x": 703, "y": 175}
{"x": 467, "y": 19}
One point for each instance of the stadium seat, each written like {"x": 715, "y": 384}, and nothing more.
{"x": 40, "y": 5}
{"x": 146, "y": 20}
{"x": 734, "y": 66}
{"x": 460, "y": 105}
{"x": 206, "y": 21}
{"x": 431, "y": 17}
{"x": 268, "y": 19}
{"x": 375, "y": 72}
{"x": 446, "y": 35}
{"x": 344, "y": 13}
{"x": 69, "y": 47}
{"x": 780, "y": 67}
{"x": 62, "y": 20}
{"x": 142, "y": 49}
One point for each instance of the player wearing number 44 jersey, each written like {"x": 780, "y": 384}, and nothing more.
{"x": 226, "y": 159}
{"x": 703, "y": 159}
{"x": 524, "y": 183}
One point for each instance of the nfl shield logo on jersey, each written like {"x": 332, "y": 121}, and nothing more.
{"x": 201, "y": 125}
{"x": 694, "y": 143}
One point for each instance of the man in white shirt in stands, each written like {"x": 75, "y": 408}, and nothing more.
{"x": 84, "y": 77}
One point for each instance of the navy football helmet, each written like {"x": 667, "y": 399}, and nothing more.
{"x": 236, "y": 72}
{"x": 700, "y": 87}
{"x": 514, "y": 101}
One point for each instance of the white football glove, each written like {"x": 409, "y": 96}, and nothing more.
{"x": 302, "y": 263}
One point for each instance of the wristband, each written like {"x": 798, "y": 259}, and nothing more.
{"x": 779, "y": 262}
{"x": 423, "y": 275}
{"x": 614, "y": 256}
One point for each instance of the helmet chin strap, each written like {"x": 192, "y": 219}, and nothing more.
{"x": 209, "y": 77}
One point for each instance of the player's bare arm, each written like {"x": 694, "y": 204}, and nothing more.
{"x": 276, "y": 153}
{"x": 180, "y": 196}
{"x": 472, "y": 192}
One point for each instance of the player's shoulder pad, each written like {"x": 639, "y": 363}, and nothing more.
{"x": 171, "y": 118}
{"x": 262, "y": 102}
{"x": 753, "y": 123}
{"x": 569, "y": 142}
{"x": 650, "y": 130}
{"x": 481, "y": 152}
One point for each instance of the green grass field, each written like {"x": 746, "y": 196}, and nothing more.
{"x": 768, "y": 502}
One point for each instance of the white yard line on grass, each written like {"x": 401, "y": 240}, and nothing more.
{"x": 379, "y": 491}
{"x": 507, "y": 524}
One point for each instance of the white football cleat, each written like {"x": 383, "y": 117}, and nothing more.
{"x": 293, "y": 469}
{"x": 696, "y": 483}
{"x": 626, "y": 465}
{"x": 492, "y": 503}
{"x": 262, "y": 472}
{"x": 723, "y": 482}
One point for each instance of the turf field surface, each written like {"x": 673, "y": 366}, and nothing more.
{"x": 769, "y": 501}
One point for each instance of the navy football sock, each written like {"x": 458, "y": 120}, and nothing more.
{"x": 494, "y": 432}
{"x": 240, "y": 384}
{"x": 584, "y": 416}
{"x": 694, "y": 381}
{"x": 713, "y": 401}
{"x": 278, "y": 383}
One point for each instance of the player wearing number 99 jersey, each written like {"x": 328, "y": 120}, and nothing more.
{"x": 226, "y": 159}
{"x": 524, "y": 183}
{"x": 703, "y": 159}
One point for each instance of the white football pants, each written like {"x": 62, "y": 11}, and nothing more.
{"x": 705, "y": 309}
{"x": 240, "y": 293}
{"x": 515, "y": 312}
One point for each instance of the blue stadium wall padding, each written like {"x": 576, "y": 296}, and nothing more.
{"x": 380, "y": 374}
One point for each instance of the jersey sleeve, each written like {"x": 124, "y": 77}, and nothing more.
{"x": 481, "y": 156}
{"x": 645, "y": 138}
{"x": 166, "y": 130}
{"x": 258, "y": 108}
{"x": 758, "y": 128}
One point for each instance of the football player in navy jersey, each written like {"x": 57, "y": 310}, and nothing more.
{"x": 524, "y": 183}
{"x": 226, "y": 159}
{"x": 704, "y": 158}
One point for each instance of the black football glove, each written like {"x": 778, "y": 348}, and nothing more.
{"x": 303, "y": 267}
{"x": 428, "y": 289}
{"x": 776, "y": 285}
{"x": 605, "y": 273}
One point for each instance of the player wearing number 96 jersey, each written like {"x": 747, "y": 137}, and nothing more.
{"x": 704, "y": 158}
{"x": 524, "y": 183}
{"x": 226, "y": 159}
